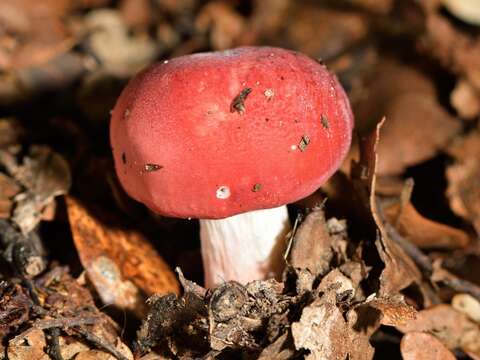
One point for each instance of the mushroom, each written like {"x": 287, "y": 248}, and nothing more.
{"x": 230, "y": 138}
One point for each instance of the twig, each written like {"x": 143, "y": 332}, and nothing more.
{"x": 53, "y": 343}
{"x": 463, "y": 286}
{"x": 66, "y": 322}
{"x": 99, "y": 343}
{"x": 422, "y": 260}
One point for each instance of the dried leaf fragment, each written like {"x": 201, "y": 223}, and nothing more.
{"x": 304, "y": 142}
{"x": 323, "y": 331}
{"x": 312, "y": 246}
{"x": 468, "y": 305}
{"x": 423, "y": 232}
{"x": 394, "y": 310}
{"x": 222, "y": 23}
{"x": 422, "y": 346}
{"x": 45, "y": 175}
{"x": 463, "y": 178}
{"x": 120, "y": 263}
{"x": 238, "y": 103}
{"x": 451, "y": 327}
{"x": 400, "y": 271}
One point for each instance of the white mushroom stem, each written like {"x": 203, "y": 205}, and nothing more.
{"x": 244, "y": 247}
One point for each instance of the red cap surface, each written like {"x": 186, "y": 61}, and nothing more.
{"x": 212, "y": 135}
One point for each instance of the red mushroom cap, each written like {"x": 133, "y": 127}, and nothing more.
{"x": 215, "y": 134}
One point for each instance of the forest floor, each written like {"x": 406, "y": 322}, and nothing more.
{"x": 385, "y": 257}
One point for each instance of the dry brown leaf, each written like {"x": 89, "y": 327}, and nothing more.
{"x": 31, "y": 344}
{"x": 222, "y": 23}
{"x": 323, "y": 330}
{"x": 377, "y": 6}
{"x": 276, "y": 350}
{"x": 466, "y": 100}
{"x": 111, "y": 43}
{"x": 467, "y": 305}
{"x": 268, "y": 17}
{"x": 11, "y": 132}
{"x": 8, "y": 189}
{"x": 394, "y": 310}
{"x": 37, "y": 32}
{"x": 422, "y": 346}
{"x": 399, "y": 271}
{"x": 456, "y": 49}
{"x": 463, "y": 178}
{"x": 452, "y": 328}
{"x": 122, "y": 264}
{"x": 312, "y": 246}
{"x": 324, "y": 33}
{"x": 101, "y": 355}
{"x": 45, "y": 175}
{"x": 423, "y": 232}
{"x": 417, "y": 126}
{"x": 137, "y": 14}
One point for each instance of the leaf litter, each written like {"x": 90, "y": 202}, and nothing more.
{"x": 377, "y": 262}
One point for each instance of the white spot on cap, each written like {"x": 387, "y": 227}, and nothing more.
{"x": 293, "y": 147}
{"x": 165, "y": 61}
{"x": 223, "y": 192}
{"x": 269, "y": 94}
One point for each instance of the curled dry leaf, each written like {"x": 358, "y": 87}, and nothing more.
{"x": 422, "y": 346}
{"x": 423, "y": 232}
{"x": 452, "y": 328}
{"x": 122, "y": 264}
{"x": 399, "y": 271}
